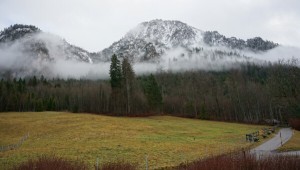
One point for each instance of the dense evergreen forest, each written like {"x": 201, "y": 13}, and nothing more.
{"x": 252, "y": 93}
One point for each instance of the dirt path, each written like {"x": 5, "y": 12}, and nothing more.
{"x": 271, "y": 145}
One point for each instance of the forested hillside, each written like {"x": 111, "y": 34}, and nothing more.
{"x": 251, "y": 93}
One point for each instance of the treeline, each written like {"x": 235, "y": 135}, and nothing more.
{"x": 122, "y": 95}
{"x": 251, "y": 93}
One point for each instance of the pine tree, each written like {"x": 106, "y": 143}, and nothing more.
{"x": 115, "y": 72}
{"x": 116, "y": 84}
{"x": 153, "y": 93}
{"x": 128, "y": 81}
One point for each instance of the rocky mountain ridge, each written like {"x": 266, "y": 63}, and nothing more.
{"x": 156, "y": 41}
{"x": 151, "y": 40}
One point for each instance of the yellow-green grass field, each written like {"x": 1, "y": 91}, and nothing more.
{"x": 166, "y": 140}
{"x": 293, "y": 144}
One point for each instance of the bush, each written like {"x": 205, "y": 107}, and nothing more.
{"x": 243, "y": 160}
{"x": 51, "y": 163}
{"x": 120, "y": 165}
{"x": 295, "y": 123}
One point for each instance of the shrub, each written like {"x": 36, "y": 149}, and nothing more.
{"x": 295, "y": 123}
{"x": 120, "y": 165}
{"x": 244, "y": 160}
{"x": 51, "y": 163}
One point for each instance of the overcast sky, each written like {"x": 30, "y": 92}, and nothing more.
{"x": 96, "y": 24}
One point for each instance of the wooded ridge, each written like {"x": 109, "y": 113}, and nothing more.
{"x": 251, "y": 93}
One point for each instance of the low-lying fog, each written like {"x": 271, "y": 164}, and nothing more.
{"x": 21, "y": 62}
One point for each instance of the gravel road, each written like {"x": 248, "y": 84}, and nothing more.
{"x": 271, "y": 145}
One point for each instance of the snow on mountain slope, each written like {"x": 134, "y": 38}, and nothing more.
{"x": 168, "y": 33}
{"x": 26, "y": 50}
{"x": 32, "y": 40}
{"x": 152, "y": 45}
{"x": 17, "y": 31}
{"x": 151, "y": 41}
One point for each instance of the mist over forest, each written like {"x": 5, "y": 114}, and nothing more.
{"x": 192, "y": 74}
{"x": 14, "y": 58}
{"x": 160, "y": 84}
{"x": 25, "y": 50}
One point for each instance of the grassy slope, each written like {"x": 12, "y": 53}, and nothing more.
{"x": 293, "y": 144}
{"x": 166, "y": 140}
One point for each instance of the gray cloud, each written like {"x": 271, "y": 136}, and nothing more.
{"x": 95, "y": 24}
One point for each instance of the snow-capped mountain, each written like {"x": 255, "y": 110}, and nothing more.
{"x": 169, "y": 33}
{"x": 31, "y": 39}
{"x": 27, "y": 50}
{"x": 153, "y": 39}
{"x": 149, "y": 40}
{"x": 30, "y": 51}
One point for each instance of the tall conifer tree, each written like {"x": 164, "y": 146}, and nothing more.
{"x": 128, "y": 81}
{"x": 115, "y": 72}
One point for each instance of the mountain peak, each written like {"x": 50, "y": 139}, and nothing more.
{"x": 32, "y": 51}
{"x": 149, "y": 40}
{"x": 17, "y": 31}
{"x": 167, "y": 32}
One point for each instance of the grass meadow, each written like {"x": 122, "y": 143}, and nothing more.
{"x": 293, "y": 144}
{"x": 165, "y": 140}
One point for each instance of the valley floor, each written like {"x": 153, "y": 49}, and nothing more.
{"x": 164, "y": 140}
